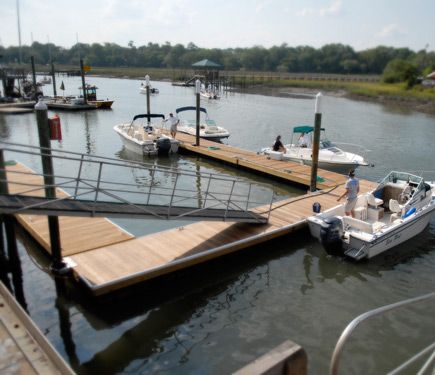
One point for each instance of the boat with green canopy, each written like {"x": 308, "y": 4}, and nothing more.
{"x": 331, "y": 157}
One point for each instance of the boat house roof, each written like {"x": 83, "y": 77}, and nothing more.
{"x": 206, "y": 64}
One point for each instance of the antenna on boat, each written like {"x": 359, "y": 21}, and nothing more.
{"x": 19, "y": 32}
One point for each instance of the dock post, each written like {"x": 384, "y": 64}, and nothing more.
{"x": 53, "y": 79}
{"x": 32, "y": 61}
{"x": 82, "y": 73}
{"x": 316, "y": 140}
{"x": 147, "y": 85}
{"x": 50, "y": 190}
{"x": 198, "y": 113}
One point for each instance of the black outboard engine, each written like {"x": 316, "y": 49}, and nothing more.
{"x": 331, "y": 233}
{"x": 163, "y": 146}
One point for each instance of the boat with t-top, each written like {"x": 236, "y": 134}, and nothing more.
{"x": 398, "y": 209}
{"x": 146, "y": 138}
{"x": 331, "y": 157}
{"x": 207, "y": 127}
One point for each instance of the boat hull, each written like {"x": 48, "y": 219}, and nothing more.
{"x": 102, "y": 104}
{"x": 138, "y": 145}
{"x": 330, "y": 166}
{"x": 397, "y": 235}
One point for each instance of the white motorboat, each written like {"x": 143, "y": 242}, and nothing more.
{"x": 145, "y": 138}
{"x": 209, "y": 93}
{"x": 143, "y": 89}
{"x": 398, "y": 209}
{"x": 330, "y": 156}
{"x": 45, "y": 81}
{"x": 207, "y": 127}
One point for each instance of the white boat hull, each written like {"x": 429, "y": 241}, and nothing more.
{"x": 338, "y": 161}
{"x": 396, "y": 236}
{"x": 380, "y": 223}
{"x": 213, "y": 136}
{"x": 141, "y": 143}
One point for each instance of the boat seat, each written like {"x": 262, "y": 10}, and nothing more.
{"x": 396, "y": 210}
{"x": 372, "y": 201}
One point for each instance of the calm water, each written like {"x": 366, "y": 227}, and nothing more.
{"x": 217, "y": 318}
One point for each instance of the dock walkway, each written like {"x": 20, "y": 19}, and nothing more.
{"x": 289, "y": 171}
{"x": 106, "y": 258}
{"x": 24, "y": 349}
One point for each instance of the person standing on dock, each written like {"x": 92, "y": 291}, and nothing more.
{"x": 173, "y": 122}
{"x": 351, "y": 193}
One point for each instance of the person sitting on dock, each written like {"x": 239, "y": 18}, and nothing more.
{"x": 278, "y": 146}
{"x": 351, "y": 193}
{"x": 173, "y": 122}
{"x": 303, "y": 140}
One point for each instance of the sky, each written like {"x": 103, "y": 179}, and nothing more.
{"x": 362, "y": 24}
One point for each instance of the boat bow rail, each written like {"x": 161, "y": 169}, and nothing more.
{"x": 99, "y": 186}
{"x": 428, "y": 351}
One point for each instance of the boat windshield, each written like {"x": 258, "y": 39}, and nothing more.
{"x": 403, "y": 178}
{"x": 326, "y": 143}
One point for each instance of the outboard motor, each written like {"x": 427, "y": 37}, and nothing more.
{"x": 163, "y": 146}
{"x": 331, "y": 233}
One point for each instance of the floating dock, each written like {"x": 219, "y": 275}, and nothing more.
{"x": 293, "y": 172}
{"x": 106, "y": 258}
{"x": 15, "y": 108}
{"x": 24, "y": 349}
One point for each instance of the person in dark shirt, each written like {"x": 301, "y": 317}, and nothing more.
{"x": 278, "y": 146}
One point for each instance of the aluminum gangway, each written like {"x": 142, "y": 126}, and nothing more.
{"x": 91, "y": 186}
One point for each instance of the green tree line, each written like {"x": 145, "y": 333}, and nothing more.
{"x": 331, "y": 58}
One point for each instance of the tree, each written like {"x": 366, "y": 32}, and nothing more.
{"x": 399, "y": 70}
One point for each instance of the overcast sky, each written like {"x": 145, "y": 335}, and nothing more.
{"x": 234, "y": 23}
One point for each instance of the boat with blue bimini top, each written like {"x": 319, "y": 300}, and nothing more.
{"x": 398, "y": 209}
{"x": 300, "y": 150}
{"x": 207, "y": 127}
{"x": 147, "y": 138}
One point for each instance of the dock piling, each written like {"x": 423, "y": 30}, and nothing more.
{"x": 50, "y": 190}
{"x": 198, "y": 113}
{"x": 32, "y": 60}
{"x": 53, "y": 79}
{"x": 82, "y": 73}
{"x": 316, "y": 140}
{"x": 147, "y": 85}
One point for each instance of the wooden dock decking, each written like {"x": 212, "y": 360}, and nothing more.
{"x": 76, "y": 233}
{"x": 24, "y": 349}
{"x": 250, "y": 160}
{"x": 114, "y": 259}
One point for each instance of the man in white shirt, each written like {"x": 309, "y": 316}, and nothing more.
{"x": 173, "y": 122}
{"x": 304, "y": 140}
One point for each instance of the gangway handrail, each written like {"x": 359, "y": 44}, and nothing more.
{"x": 113, "y": 161}
{"x": 79, "y": 185}
{"x": 333, "y": 369}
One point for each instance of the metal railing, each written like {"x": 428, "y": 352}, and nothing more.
{"x": 333, "y": 369}
{"x": 135, "y": 183}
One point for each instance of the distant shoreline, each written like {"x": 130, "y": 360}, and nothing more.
{"x": 402, "y": 101}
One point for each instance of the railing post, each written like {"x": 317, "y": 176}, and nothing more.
{"x": 271, "y": 203}
{"x": 229, "y": 200}
{"x": 206, "y": 192}
{"x": 249, "y": 196}
{"x": 172, "y": 196}
{"x": 50, "y": 189}
{"x": 78, "y": 177}
{"x": 151, "y": 184}
{"x": 98, "y": 186}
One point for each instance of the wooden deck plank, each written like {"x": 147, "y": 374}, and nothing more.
{"x": 137, "y": 260}
{"x": 77, "y": 234}
{"x": 24, "y": 349}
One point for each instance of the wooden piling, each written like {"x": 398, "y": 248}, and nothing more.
{"x": 50, "y": 190}
{"x": 82, "y": 73}
{"x": 53, "y": 78}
